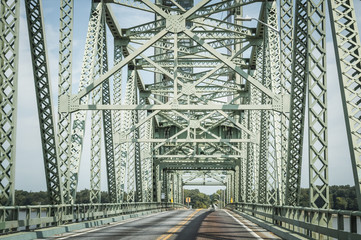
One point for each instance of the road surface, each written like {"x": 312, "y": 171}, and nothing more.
{"x": 176, "y": 225}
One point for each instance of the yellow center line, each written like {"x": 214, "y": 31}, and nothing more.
{"x": 174, "y": 229}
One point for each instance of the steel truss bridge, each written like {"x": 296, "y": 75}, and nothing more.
{"x": 200, "y": 95}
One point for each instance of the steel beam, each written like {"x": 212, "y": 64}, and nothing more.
{"x": 9, "y": 60}
{"x": 43, "y": 92}
{"x": 298, "y": 101}
{"x": 65, "y": 84}
{"x": 346, "y": 40}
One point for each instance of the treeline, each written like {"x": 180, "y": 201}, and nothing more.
{"x": 23, "y": 198}
{"x": 341, "y": 197}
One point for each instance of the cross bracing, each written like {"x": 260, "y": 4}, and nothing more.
{"x": 198, "y": 90}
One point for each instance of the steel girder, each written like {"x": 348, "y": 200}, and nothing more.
{"x": 317, "y": 104}
{"x": 207, "y": 100}
{"x": 286, "y": 41}
{"x": 78, "y": 125}
{"x": 112, "y": 164}
{"x": 9, "y": 58}
{"x": 100, "y": 94}
{"x": 192, "y": 178}
{"x": 275, "y": 127}
{"x": 44, "y": 100}
{"x": 146, "y": 132}
{"x": 119, "y": 161}
{"x": 65, "y": 84}
{"x": 309, "y": 77}
{"x": 134, "y": 179}
{"x": 346, "y": 40}
{"x": 254, "y": 124}
{"x": 264, "y": 153}
{"x": 298, "y": 101}
{"x": 65, "y": 81}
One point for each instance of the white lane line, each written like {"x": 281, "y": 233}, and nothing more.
{"x": 242, "y": 224}
{"x": 111, "y": 225}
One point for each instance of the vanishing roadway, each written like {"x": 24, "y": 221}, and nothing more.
{"x": 180, "y": 224}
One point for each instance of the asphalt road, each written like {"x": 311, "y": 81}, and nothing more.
{"x": 176, "y": 225}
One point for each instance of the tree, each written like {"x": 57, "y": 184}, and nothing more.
{"x": 198, "y": 199}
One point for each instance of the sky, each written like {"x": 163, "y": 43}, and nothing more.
{"x": 29, "y": 163}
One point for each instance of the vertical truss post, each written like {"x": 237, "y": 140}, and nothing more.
{"x": 238, "y": 12}
{"x": 100, "y": 68}
{"x": 254, "y": 124}
{"x": 275, "y": 128}
{"x": 264, "y": 151}
{"x": 150, "y": 161}
{"x": 229, "y": 186}
{"x": 253, "y": 120}
{"x": 9, "y": 59}
{"x": 165, "y": 186}
{"x": 145, "y": 132}
{"x": 317, "y": 104}
{"x": 180, "y": 189}
{"x": 119, "y": 159}
{"x": 70, "y": 176}
{"x": 286, "y": 40}
{"x": 243, "y": 160}
{"x": 173, "y": 187}
{"x": 157, "y": 188}
{"x": 128, "y": 123}
{"x": 264, "y": 154}
{"x": 138, "y": 163}
{"x": 65, "y": 83}
{"x": 44, "y": 99}
{"x": 298, "y": 101}
{"x": 347, "y": 46}
{"x": 108, "y": 129}
{"x": 134, "y": 182}
{"x": 233, "y": 184}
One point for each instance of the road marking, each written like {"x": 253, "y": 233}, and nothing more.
{"x": 111, "y": 225}
{"x": 242, "y": 224}
{"x": 175, "y": 229}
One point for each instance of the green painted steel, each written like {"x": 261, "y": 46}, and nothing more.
{"x": 286, "y": 41}
{"x": 99, "y": 68}
{"x": 292, "y": 222}
{"x": 317, "y": 105}
{"x": 9, "y": 60}
{"x": 298, "y": 101}
{"x": 119, "y": 160}
{"x": 224, "y": 103}
{"x": 348, "y": 54}
{"x": 44, "y": 100}
{"x": 65, "y": 86}
{"x": 40, "y": 217}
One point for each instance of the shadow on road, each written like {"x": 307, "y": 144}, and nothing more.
{"x": 191, "y": 230}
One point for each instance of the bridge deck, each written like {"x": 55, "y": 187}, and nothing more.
{"x": 181, "y": 224}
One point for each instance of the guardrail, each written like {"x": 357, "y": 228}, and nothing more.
{"x": 18, "y": 218}
{"x": 312, "y": 223}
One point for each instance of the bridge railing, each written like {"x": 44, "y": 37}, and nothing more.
{"x": 307, "y": 222}
{"x": 18, "y": 218}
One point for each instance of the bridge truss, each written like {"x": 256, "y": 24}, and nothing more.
{"x": 203, "y": 88}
